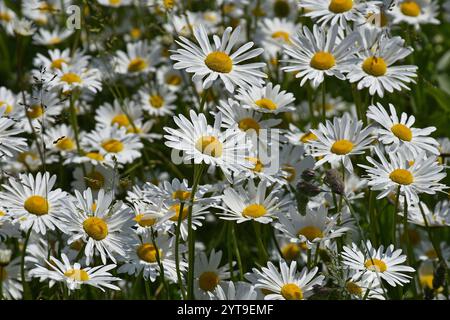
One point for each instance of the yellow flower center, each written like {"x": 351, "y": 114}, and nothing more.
{"x": 95, "y": 156}
{"x": 8, "y": 108}
{"x": 144, "y": 221}
{"x": 173, "y": 80}
{"x": 78, "y": 275}
{"x": 340, "y": 6}
{"x": 121, "y": 120}
{"x": 219, "y": 61}
{"x": 96, "y": 228}
{"x": 147, "y": 252}
{"x": 181, "y": 195}
{"x": 46, "y": 7}
{"x": 290, "y": 251}
{"x": 353, "y": 288}
{"x": 375, "y": 66}
{"x": 209, "y": 145}
{"x": 402, "y": 132}
{"x": 5, "y": 16}
{"x": 402, "y": 176}
{"x": 70, "y": 78}
{"x": 36, "y": 205}
{"x": 281, "y": 35}
{"x": 254, "y": 211}
{"x": 342, "y": 147}
{"x": 23, "y": 156}
{"x": 135, "y": 33}
{"x": 168, "y": 4}
{"x": 291, "y": 291}
{"x": 208, "y": 281}
{"x": 2, "y": 213}
{"x": 57, "y": 63}
{"x": 258, "y": 164}
{"x": 426, "y": 280}
{"x": 115, "y": 2}
{"x": 249, "y": 123}
{"x": 55, "y": 40}
{"x": 281, "y": 8}
{"x": 311, "y": 232}
{"x": 35, "y": 111}
{"x": 431, "y": 254}
{"x": 307, "y": 137}
{"x": 156, "y": 101}
{"x": 65, "y": 143}
{"x": 77, "y": 245}
{"x": 176, "y": 208}
{"x": 137, "y": 64}
{"x": 375, "y": 265}
{"x": 266, "y": 104}
{"x": 410, "y": 8}
{"x": 323, "y": 61}
{"x": 95, "y": 180}
{"x": 112, "y": 146}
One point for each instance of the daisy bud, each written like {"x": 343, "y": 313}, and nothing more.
{"x": 334, "y": 180}
{"x": 308, "y": 174}
{"x": 308, "y": 189}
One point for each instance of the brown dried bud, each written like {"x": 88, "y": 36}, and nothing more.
{"x": 308, "y": 189}
{"x": 334, "y": 180}
{"x": 308, "y": 174}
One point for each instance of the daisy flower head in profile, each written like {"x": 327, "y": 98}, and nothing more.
{"x": 209, "y": 63}
{"x": 377, "y": 263}
{"x": 387, "y": 176}
{"x": 337, "y": 141}
{"x": 377, "y": 70}
{"x": 51, "y": 38}
{"x": 73, "y": 276}
{"x": 207, "y": 144}
{"x": 415, "y": 12}
{"x": 268, "y": 99}
{"x": 56, "y": 58}
{"x": 234, "y": 291}
{"x": 335, "y": 12}
{"x": 10, "y": 275}
{"x": 398, "y": 133}
{"x": 32, "y": 202}
{"x": 139, "y": 58}
{"x": 322, "y": 52}
{"x": 7, "y": 17}
{"x": 286, "y": 284}
{"x": 9, "y": 140}
{"x": 102, "y": 225}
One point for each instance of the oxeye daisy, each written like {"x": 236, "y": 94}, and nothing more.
{"x": 174, "y": 191}
{"x": 51, "y": 38}
{"x": 332, "y": 12}
{"x": 437, "y": 217}
{"x": 7, "y": 227}
{"x": 169, "y": 78}
{"x": 139, "y": 58}
{"x": 7, "y": 17}
{"x": 252, "y": 203}
{"x": 33, "y": 203}
{"x": 338, "y": 140}
{"x": 286, "y": 284}
{"x": 158, "y": 102}
{"x": 361, "y": 287}
{"x": 103, "y": 225}
{"x": 387, "y": 265}
{"x": 74, "y": 276}
{"x": 70, "y": 78}
{"x": 95, "y": 177}
{"x": 206, "y": 144}
{"x": 42, "y": 11}
{"x": 120, "y": 114}
{"x": 399, "y": 133}
{"x": 376, "y": 70}
{"x": 415, "y": 12}
{"x": 7, "y": 101}
{"x": 115, "y": 3}
{"x": 273, "y": 34}
{"x": 294, "y": 162}
{"x": 314, "y": 55}
{"x": 10, "y": 275}
{"x": 296, "y": 136}
{"x": 268, "y": 99}
{"x": 387, "y": 176}
{"x": 23, "y": 27}
{"x": 142, "y": 257}
{"x": 208, "y": 63}
{"x": 57, "y": 58}
{"x": 208, "y": 275}
{"x": 149, "y": 216}
{"x": 61, "y": 139}
{"x": 8, "y": 136}
{"x": 231, "y": 291}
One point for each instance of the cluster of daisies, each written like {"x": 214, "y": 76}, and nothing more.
{"x": 223, "y": 150}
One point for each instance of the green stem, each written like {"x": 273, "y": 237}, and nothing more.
{"x": 177, "y": 251}
{"x": 324, "y": 99}
{"x": 262, "y": 249}
{"x": 394, "y": 228}
{"x": 238, "y": 254}
{"x": 22, "y": 264}
{"x": 161, "y": 267}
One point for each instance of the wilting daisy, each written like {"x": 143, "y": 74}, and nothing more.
{"x": 158, "y": 102}
{"x": 207, "y": 273}
{"x": 268, "y": 99}
{"x": 140, "y": 57}
{"x": 378, "y": 263}
{"x": 231, "y": 291}
{"x": 103, "y": 225}
{"x": 398, "y": 133}
{"x": 51, "y": 38}
{"x": 69, "y": 78}
{"x": 338, "y": 140}
{"x": 204, "y": 143}
{"x": 387, "y": 176}
{"x": 252, "y": 203}
{"x": 33, "y": 203}
{"x": 287, "y": 284}
{"x": 74, "y": 276}
{"x": 8, "y": 136}
{"x": 210, "y": 63}
{"x": 10, "y": 275}
{"x": 415, "y": 12}
{"x": 314, "y": 55}
{"x": 377, "y": 71}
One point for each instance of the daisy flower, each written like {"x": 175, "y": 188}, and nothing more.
{"x": 169, "y": 78}
{"x": 210, "y": 63}
{"x": 70, "y": 78}
{"x": 268, "y": 99}
{"x": 338, "y": 140}
{"x": 7, "y": 227}
{"x": 149, "y": 216}
{"x": 252, "y": 203}
{"x": 378, "y": 263}
{"x": 357, "y": 286}
{"x": 208, "y": 275}
{"x": 33, "y": 203}
{"x": 120, "y": 113}
{"x": 51, "y": 38}
{"x": 8, "y": 140}
{"x": 158, "y": 102}
{"x": 115, "y": 3}
{"x": 231, "y": 291}
{"x": 95, "y": 177}
{"x": 73, "y": 276}
{"x": 139, "y": 58}
{"x": 314, "y": 55}
{"x": 415, "y": 12}
{"x": 103, "y": 225}
{"x": 272, "y": 34}
{"x": 422, "y": 176}
{"x": 377, "y": 71}
{"x": 7, "y": 17}
{"x": 204, "y": 143}
{"x": 174, "y": 191}
{"x": 437, "y": 217}
{"x": 287, "y": 284}
{"x": 10, "y": 275}
{"x": 8, "y": 101}
{"x": 399, "y": 133}
{"x": 61, "y": 138}
{"x": 57, "y": 58}
{"x": 23, "y": 27}
{"x": 294, "y": 162}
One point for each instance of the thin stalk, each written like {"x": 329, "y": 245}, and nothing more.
{"x": 22, "y": 263}
{"x": 237, "y": 253}
{"x": 161, "y": 267}
{"x": 262, "y": 250}
{"x": 324, "y": 99}
{"x": 409, "y": 250}
{"x": 394, "y": 228}
{"x": 177, "y": 251}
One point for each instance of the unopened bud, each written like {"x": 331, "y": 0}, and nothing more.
{"x": 334, "y": 180}
{"x": 308, "y": 189}
{"x": 308, "y": 174}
